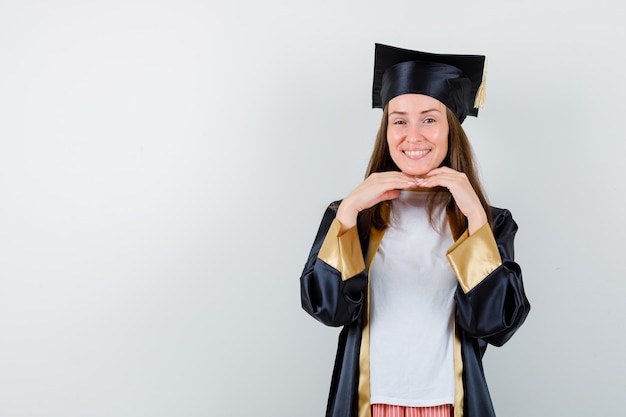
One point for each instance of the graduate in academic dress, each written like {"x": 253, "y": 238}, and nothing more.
{"x": 414, "y": 264}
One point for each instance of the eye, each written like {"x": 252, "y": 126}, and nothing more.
{"x": 399, "y": 122}
{"x": 429, "y": 120}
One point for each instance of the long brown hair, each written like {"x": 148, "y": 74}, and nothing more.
{"x": 460, "y": 158}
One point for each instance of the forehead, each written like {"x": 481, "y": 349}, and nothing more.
{"x": 420, "y": 102}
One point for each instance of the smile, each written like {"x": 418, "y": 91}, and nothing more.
{"x": 416, "y": 153}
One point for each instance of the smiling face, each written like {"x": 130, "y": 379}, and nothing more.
{"x": 417, "y": 133}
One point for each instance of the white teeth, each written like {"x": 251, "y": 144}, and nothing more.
{"x": 416, "y": 153}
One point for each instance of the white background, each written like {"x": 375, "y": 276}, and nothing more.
{"x": 164, "y": 166}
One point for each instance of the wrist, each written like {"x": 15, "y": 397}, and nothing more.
{"x": 476, "y": 221}
{"x": 347, "y": 216}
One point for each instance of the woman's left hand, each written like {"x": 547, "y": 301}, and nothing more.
{"x": 462, "y": 191}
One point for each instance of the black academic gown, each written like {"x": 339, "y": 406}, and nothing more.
{"x": 490, "y": 306}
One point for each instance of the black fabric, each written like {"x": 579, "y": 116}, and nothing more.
{"x": 491, "y": 312}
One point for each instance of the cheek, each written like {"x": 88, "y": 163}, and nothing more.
{"x": 392, "y": 150}
{"x": 394, "y": 136}
{"x": 445, "y": 149}
{"x": 444, "y": 145}
{"x": 443, "y": 140}
{"x": 392, "y": 144}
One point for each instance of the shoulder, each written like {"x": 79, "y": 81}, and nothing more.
{"x": 502, "y": 221}
{"x": 500, "y": 213}
{"x": 334, "y": 205}
{"x": 331, "y": 209}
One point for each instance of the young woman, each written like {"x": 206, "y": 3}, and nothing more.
{"x": 413, "y": 263}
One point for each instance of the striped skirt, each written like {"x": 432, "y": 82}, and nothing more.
{"x": 386, "y": 410}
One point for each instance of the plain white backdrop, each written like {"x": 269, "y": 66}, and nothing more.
{"x": 164, "y": 166}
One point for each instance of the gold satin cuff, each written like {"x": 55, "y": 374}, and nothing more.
{"x": 342, "y": 251}
{"x": 474, "y": 257}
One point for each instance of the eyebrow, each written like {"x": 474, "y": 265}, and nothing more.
{"x": 422, "y": 112}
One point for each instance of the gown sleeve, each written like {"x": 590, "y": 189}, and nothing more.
{"x": 490, "y": 300}
{"x": 334, "y": 279}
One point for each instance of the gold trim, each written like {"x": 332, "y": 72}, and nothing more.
{"x": 481, "y": 94}
{"x": 342, "y": 251}
{"x": 474, "y": 257}
{"x": 364, "y": 393}
{"x": 365, "y": 408}
{"x": 458, "y": 375}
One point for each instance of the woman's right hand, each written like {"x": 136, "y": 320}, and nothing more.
{"x": 379, "y": 186}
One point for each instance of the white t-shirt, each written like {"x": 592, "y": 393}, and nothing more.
{"x": 412, "y": 308}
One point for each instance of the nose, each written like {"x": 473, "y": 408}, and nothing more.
{"x": 414, "y": 133}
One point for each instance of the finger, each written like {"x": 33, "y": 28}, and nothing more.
{"x": 440, "y": 170}
{"x": 391, "y": 180}
{"x": 379, "y": 187}
{"x": 389, "y": 195}
{"x": 452, "y": 181}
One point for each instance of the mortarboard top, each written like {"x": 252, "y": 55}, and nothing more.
{"x": 458, "y": 81}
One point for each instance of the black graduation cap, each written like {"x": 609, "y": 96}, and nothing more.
{"x": 458, "y": 81}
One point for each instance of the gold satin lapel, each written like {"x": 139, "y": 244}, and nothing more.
{"x": 365, "y": 408}
{"x": 458, "y": 375}
{"x": 459, "y": 391}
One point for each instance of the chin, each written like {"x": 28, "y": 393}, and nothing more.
{"x": 416, "y": 172}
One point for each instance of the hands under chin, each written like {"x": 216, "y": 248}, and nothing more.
{"x": 462, "y": 191}
{"x": 381, "y": 186}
